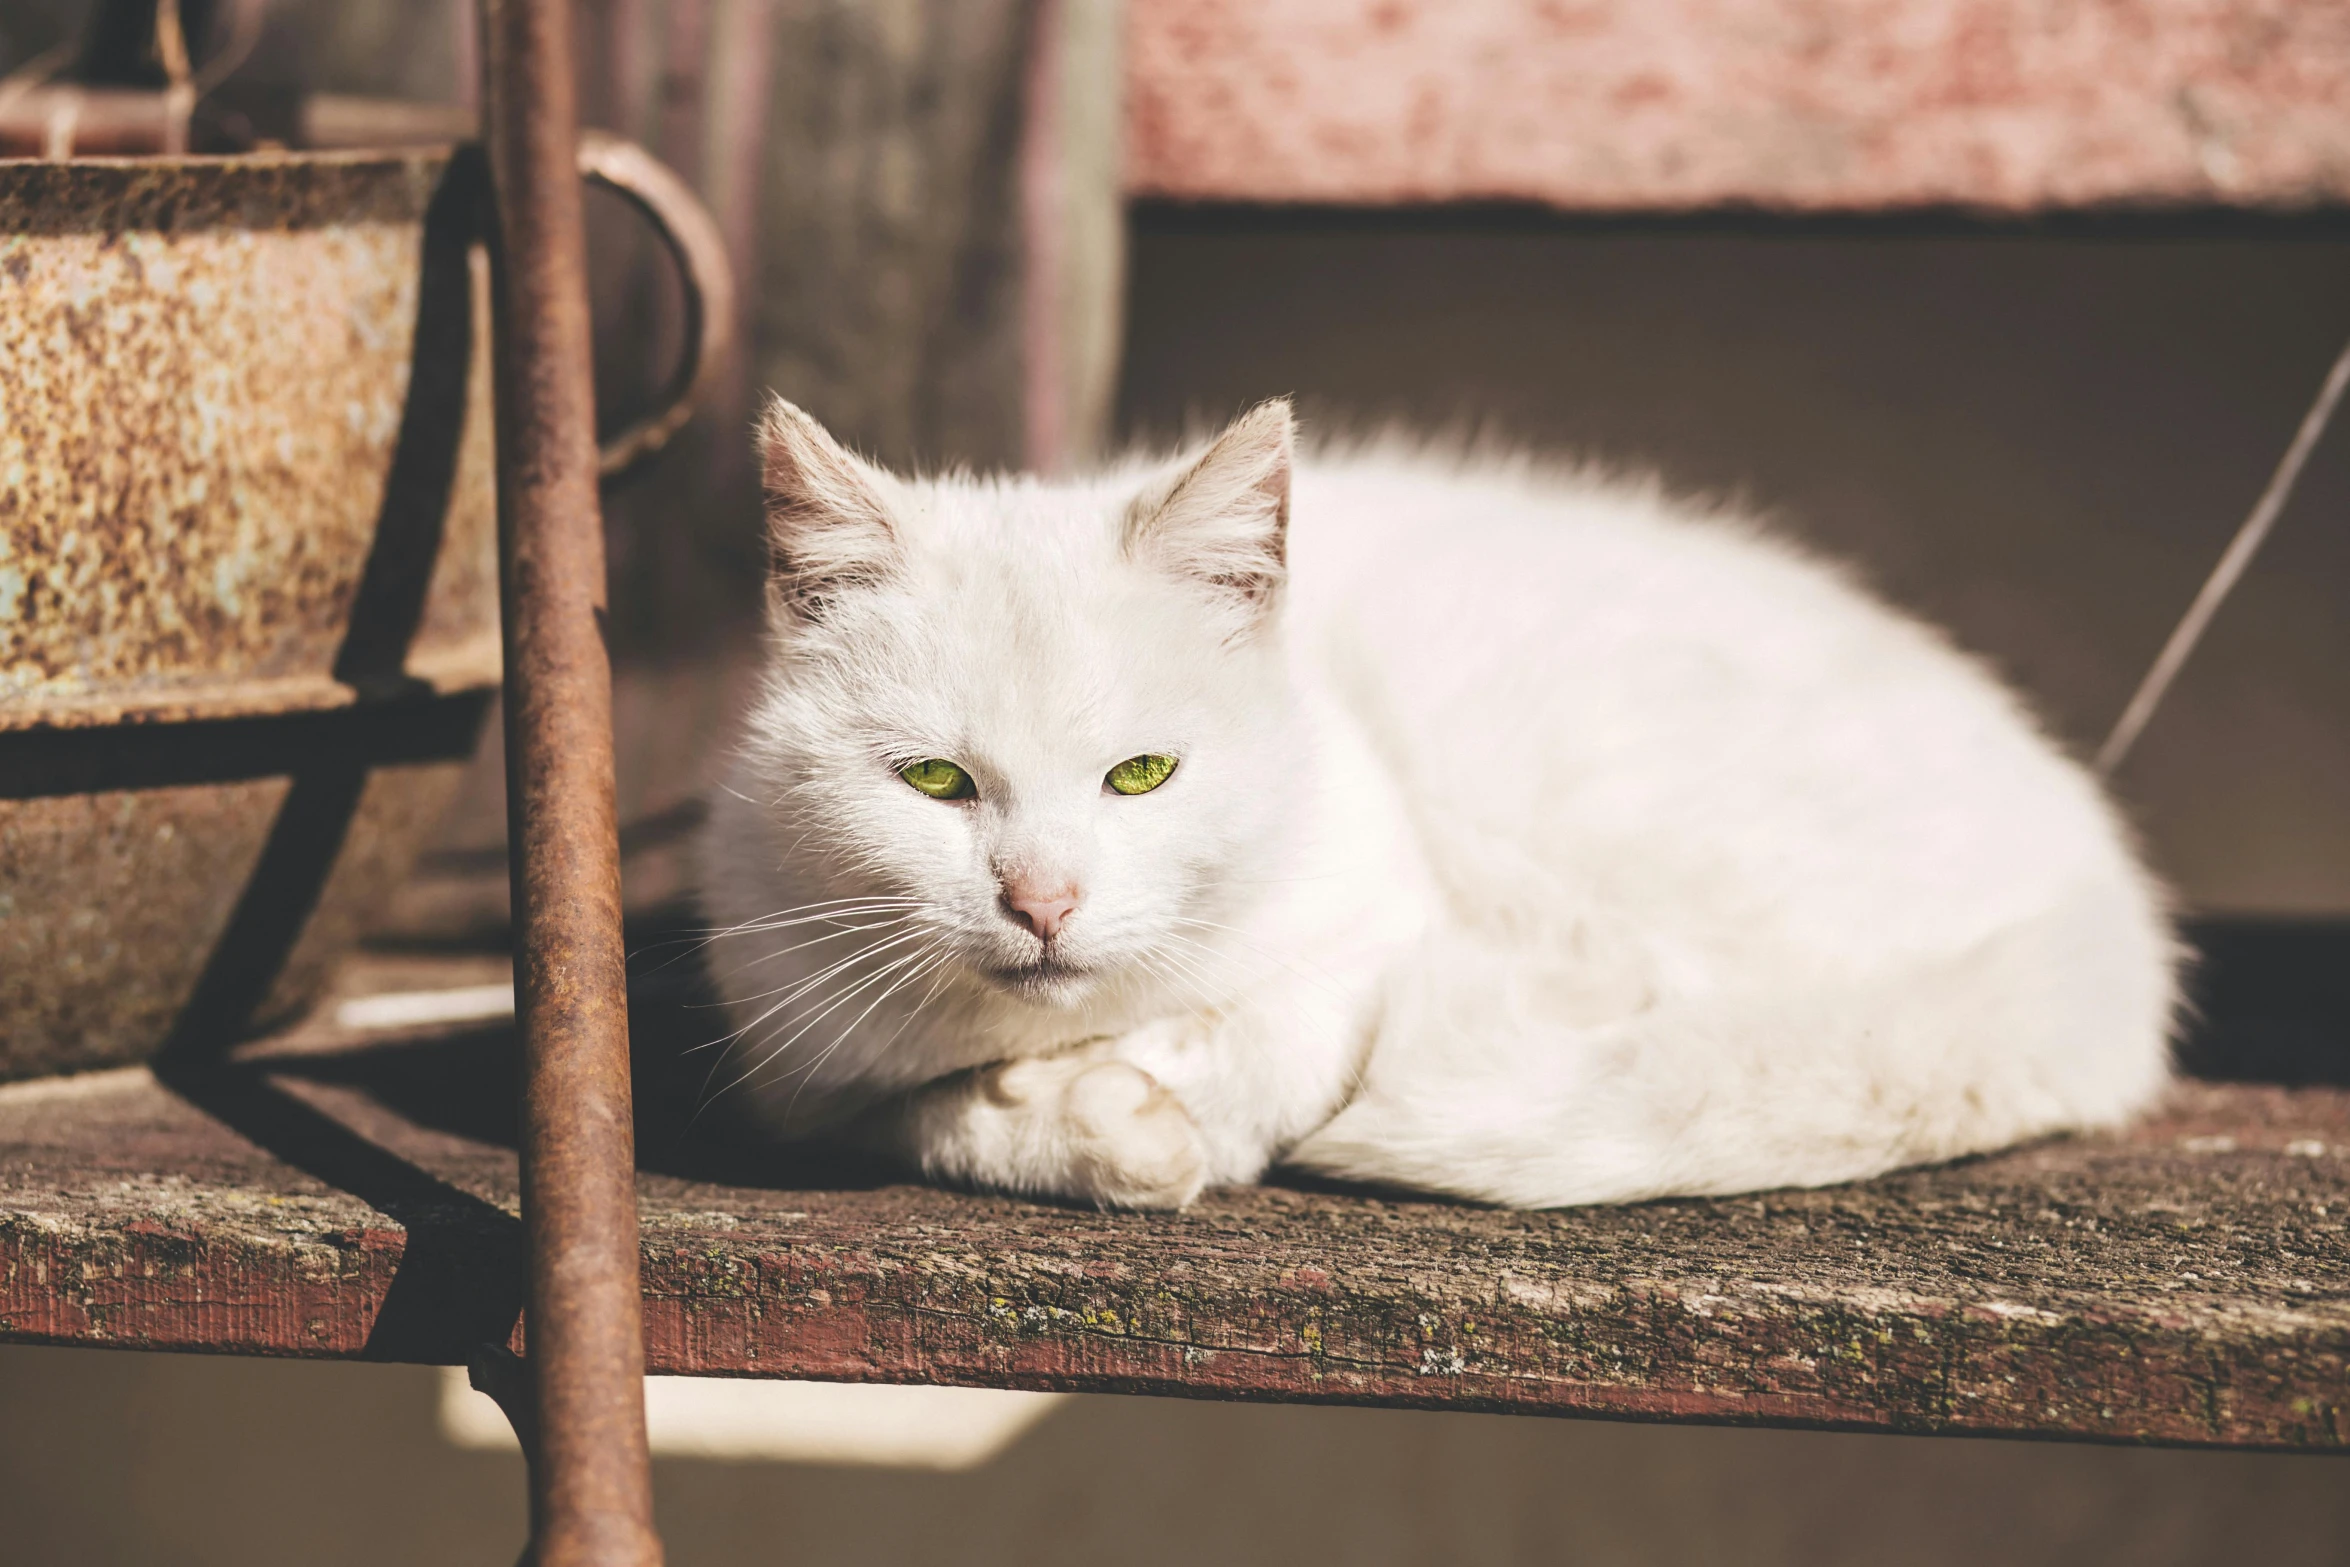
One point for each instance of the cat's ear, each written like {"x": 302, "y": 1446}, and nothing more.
{"x": 1223, "y": 519}
{"x": 828, "y": 527}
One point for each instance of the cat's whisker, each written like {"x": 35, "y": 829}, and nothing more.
{"x": 940, "y": 964}
{"x": 830, "y": 917}
{"x": 1176, "y": 979}
{"x": 789, "y": 993}
{"x": 785, "y": 996}
{"x": 1251, "y": 944}
{"x": 1195, "y": 975}
{"x": 898, "y": 923}
{"x": 785, "y": 919}
{"x": 791, "y": 989}
{"x": 814, "y": 988}
{"x": 945, "y": 971}
{"x": 1239, "y": 969}
{"x": 921, "y": 963}
{"x": 807, "y": 1074}
{"x": 805, "y": 1020}
{"x": 814, "y": 906}
{"x": 837, "y": 1002}
{"x": 782, "y": 919}
{"x": 1277, "y": 999}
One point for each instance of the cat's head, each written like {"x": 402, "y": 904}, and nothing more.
{"x": 1048, "y": 719}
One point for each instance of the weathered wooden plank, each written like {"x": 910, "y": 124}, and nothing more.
{"x": 2185, "y": 1281}
{"x": 1806, "y": 105}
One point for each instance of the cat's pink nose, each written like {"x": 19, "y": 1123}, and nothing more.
{"x": 1041, "y": 908}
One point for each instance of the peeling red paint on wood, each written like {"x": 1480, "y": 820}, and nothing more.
{"x": 2182, "y": 1282}
{"x": 2012, "y": 105}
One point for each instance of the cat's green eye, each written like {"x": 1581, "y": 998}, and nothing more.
{"x": 1140, "y": 774}
{"x": 939, "y": 778}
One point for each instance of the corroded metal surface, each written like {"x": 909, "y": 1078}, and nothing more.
{"x": 704, "y": 272}
{"x": 116, "y": 905}
{"x": 245, "y": 487}
{"x": 2187, "y": 1281}
{"x": 1801, "y": 105}
{"x": 205, "y": 368}
{"x": 591, "y": 1476}
{"x": 92, "y": 970}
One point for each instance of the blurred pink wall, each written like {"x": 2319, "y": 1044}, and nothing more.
{"x": 1800, "y": 104}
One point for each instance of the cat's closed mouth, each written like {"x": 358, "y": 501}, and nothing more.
{"x": 1045, "y": 979}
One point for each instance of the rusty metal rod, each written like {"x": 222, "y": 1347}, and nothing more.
{"x": 591, "y": 1476}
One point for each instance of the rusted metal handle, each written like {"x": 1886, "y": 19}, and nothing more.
{"x": 693, "y": 240}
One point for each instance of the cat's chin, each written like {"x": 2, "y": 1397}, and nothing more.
{"x": 1049, "y": 981}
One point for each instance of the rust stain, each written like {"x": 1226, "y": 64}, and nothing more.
{"x": 203, "y": 366}
{"x": 245, "y": 472}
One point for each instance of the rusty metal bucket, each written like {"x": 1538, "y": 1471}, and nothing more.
{"x": 248, "y": 579}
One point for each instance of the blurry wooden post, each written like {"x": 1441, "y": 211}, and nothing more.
{"x": 1072, "y": 232}
{"x": 590, "y": 1472}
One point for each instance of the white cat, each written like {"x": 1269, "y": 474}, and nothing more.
{"x": 1447, "y": 824}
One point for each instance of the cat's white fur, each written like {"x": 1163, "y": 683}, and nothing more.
{"x": 1535, "y": 839}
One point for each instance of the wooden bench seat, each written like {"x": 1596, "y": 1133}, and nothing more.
{"x": 347, "y": 1194}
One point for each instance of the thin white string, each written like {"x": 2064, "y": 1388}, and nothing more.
{"x": 2222, "y": 580}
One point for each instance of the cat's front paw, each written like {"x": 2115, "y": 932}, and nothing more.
{"x": 1137, "y": 1146}
{"x": 1129, "y": 1142}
